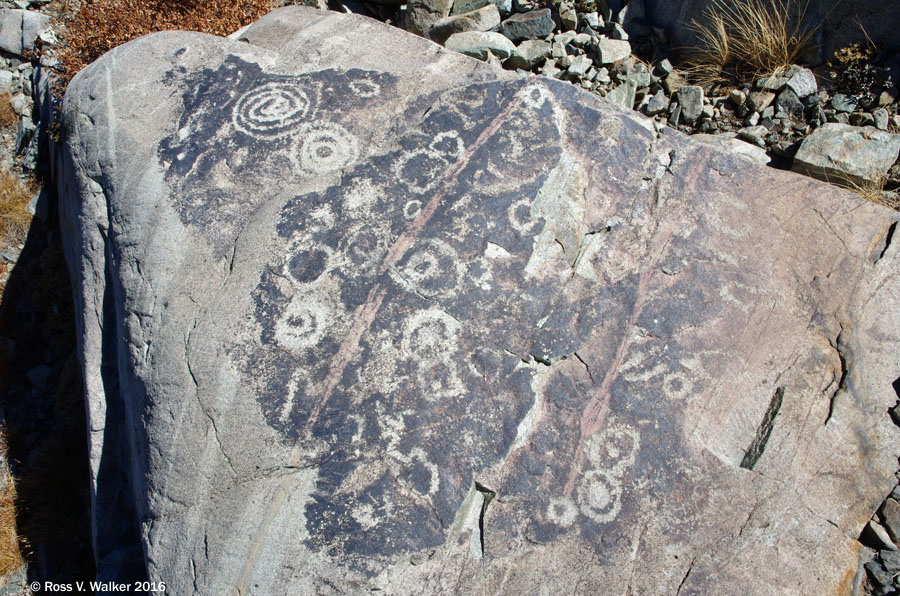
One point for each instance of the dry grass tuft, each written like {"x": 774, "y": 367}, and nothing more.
{"x": 98, "y": 26}
{"x": 7, "y": 114}
{"x": 14, "y": 219}
{"x": 746, "y": 39}
{"x": 11, "y": 558}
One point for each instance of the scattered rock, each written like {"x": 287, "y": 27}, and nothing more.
{"x": 623, "y": 95}
{"x": 422, "y": 14}
{"x": 843, "y": 103}
{"x": 673, "y": 82}
{"x": 803, "y": 83}
{"x": 20, "y": 28}
{"x": 890, "y": 517}
{"x": 479, "y": 44}
{"x": 754, "y": 134}
{"x": 528, "y": 54}
{"x": 481, "y": 19}
{"x": 771, "y": 83}
{"x": 529, "y": 25}
{"x": 881, "y": 118}
{"x": 737, "y": 97}
{"x": 658, "y": 104}
{"x": 690, "y": 98}
{"x": 789, "y": 104}
{"x": 862, "y": 119}
{"x": 840, "y": 153}
{"x": 610, "y": 51}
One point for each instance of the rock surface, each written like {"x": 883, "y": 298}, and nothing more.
{"x": 843, "y": 153}
{"x": 345, "y": 326}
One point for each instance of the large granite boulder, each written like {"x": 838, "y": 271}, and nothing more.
{"x": 359, "y": 313}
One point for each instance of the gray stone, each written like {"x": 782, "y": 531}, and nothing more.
{"x": 464, "y": 6}
{"x": 760, "y": 100}
{"x": 550, "y": 69}
{"x": 20, "y": 28}
{"x": 803, "y": 83}
{"x": 623, "y": 95}
{"x": 481, "y": 19}
{"x": 843, "y": 103}
{"x": 18, "y": 102}
{"x": 579, "y": 66}
{"x": 617, "y": 32}
{"x": 528, "y": 54}
{"x": 658, "y": 104}
{"x": 422, "y": 14}
{"x": 6, "y": 81}
{"x": 754, "y": 134}
{"x": 568, "y": 16}
{"x": 841, "y": 153}
{"x": 876, "y": 535}
{"x": 610, "y": 51}
{"x": 737, "y": 97}
{"x": 593, "y": 20}
{"x": 638, "y": 79}
{"x": 890, "y": 517}
{"x": 891, "y": 561}
{"x": 674, "y": 114}
{"x": 478, "y": 44}
{"x": 690, "y": 98}
{"x": 771, "y": 83}
{"x": 530, "y": 25}
{"x": 788, "y": 103}
{"x": 357, "y": 313}
{"x": 664, "y": 67}
{"x": 673, "y": 82}
{"x": 862, "y": 119}
{"x": 881, "y": 577}
{"x": 881, "y": 118}
{"x": 752, "y": 119}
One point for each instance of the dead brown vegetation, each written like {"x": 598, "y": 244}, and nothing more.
{"x": 10, "y": 547}
{"x": 98, "y": 26}
{"x": 14, "y": 219}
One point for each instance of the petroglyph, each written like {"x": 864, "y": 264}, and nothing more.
{"x": 271, "y": 110}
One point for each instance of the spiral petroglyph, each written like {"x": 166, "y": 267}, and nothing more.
{"x": 271, "y": 110}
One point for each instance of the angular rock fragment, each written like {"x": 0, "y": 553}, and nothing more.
{"x": 350, "y": 322}
{"x": 803, "y": 83}
{"x": 535, "y": 24}
{"x": 529, "y": 54}
{"x": 844, "y": 154}
{"x": 422, "y": 14}
{"x": 481, "y": 19}
{"x": 481, "y": 44}
{"x": 612, "y": 50}
{"x": 690, "y": 98}
{"x": 19, "y": 29}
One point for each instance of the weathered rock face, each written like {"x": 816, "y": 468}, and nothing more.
{"x": 361, "y": 319}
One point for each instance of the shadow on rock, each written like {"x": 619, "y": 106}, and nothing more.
{"x": 42, "y": 405}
